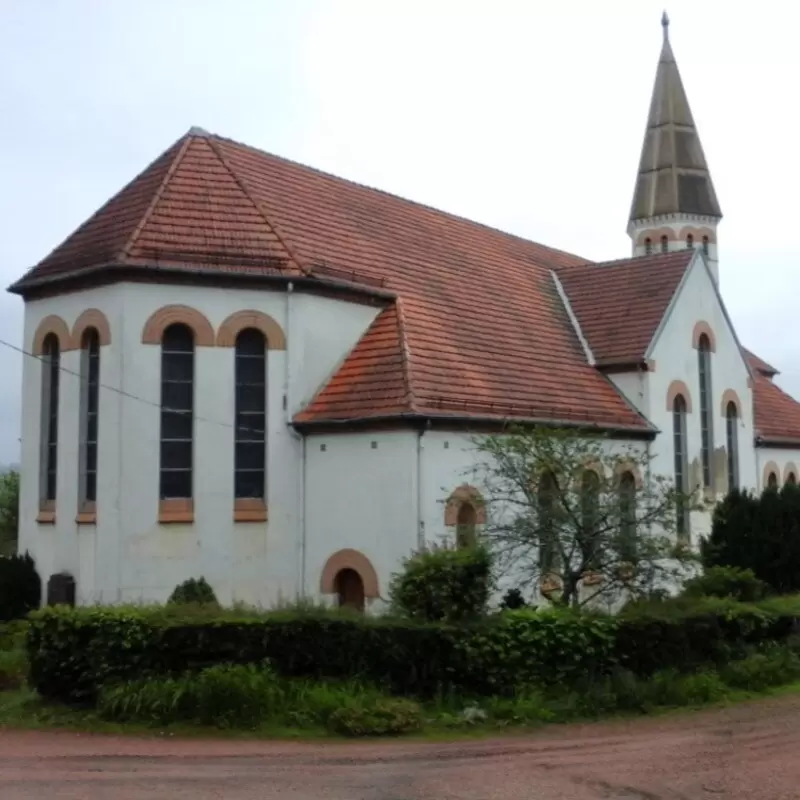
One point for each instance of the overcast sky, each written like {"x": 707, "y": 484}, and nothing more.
{"x": 524, "y": 115}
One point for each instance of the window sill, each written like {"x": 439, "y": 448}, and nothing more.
{"x": 87, "y": 515}
{"x": 249, "y": 509}
{"x": 176, "y": 510}
{"x": 46, "y": 516}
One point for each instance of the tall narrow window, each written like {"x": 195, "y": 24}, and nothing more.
{"x": 51, "y": 373}
{"x": 590, "y": 509}
{"x": 177, "y": 412}
{"x": 772, "y": 481}
{"x": 465, "y": 525}
{"x": 627, "y": 517}
{"x": 705, "y": 245}
{"x": 648, "y": 246}
{"x": 689, "y": 241}
{"x": 732, "y": 438}
{"x": 547, "y": 524}
{"x": 706, "y": 420}
{"x": 791, "y": 479}
{"x": 681, "y": 465}
{"x": 251, "y": 415}
{"x": 664, "y": 244}
{"x": 90, "y": 395}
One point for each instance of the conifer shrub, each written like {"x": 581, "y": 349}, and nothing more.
{"x": 20, "y": 587}
{"x": 194, "y": 591}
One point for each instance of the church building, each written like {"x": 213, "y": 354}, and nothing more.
{"x": 250, "y": 370}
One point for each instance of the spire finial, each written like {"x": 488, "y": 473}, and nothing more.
{"x": 665, "y": 23}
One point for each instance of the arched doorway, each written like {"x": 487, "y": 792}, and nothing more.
{"x": 349, "y": 589}
{"x": 465, "y": 525}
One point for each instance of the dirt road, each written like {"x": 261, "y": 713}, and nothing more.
{"x": 750, "y": 751}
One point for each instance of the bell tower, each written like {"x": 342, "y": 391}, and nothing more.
{"x": 674, "y": 203}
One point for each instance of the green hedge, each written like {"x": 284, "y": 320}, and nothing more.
{"x": 74, "y": 652}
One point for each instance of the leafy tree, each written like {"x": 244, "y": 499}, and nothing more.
{"x": 9, "y": 512}
{"x": 193, "y": 591}
{"x": 566, "y": 513}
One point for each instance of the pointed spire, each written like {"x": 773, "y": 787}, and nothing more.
{"x": 673, "y": 174}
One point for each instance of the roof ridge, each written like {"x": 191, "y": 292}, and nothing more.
{"x": 405, "y": 353}
{"x": 394, "y": 196}
{"x": 240, "y": 183}
{"x": 129, "y": 242}
{"x": 687, "y": 253}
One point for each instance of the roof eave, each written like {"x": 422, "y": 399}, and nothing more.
{"x": 423, "y": 419}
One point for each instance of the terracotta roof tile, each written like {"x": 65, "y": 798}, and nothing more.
{"x": 619, "y": 304}
{"x": 485, "y": 330}
{"x": 777, "y": 415}
{"x": 372, "y": 381}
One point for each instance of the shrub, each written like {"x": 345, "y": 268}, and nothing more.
{"x": 670, "y": 688}
{"x": 740, "y": 584}
{"x": 443, "y": 585}
{"x": 193, "y": 591}
{"x": 774, "y": 666}
{"x": 13, "y": 669}
{"x": 386, "y": 717}
{"x": 20, "y": 587}
{"x": 225, "y": 696}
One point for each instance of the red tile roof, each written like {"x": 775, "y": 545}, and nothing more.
{"x": 777, "y": 415}
{"x": 619, "y": 304}
{"x": 483, "y": 329}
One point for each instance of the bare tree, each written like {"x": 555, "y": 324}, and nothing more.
{"x": 568, "y": 511}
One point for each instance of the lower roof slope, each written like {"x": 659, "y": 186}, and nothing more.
{"x": 484, "y": 332}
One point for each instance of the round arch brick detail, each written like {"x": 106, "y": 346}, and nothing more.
{"x": 55, "y": 325}
{"x": 240, "y": 320}
{"x": 676, "y": 388}
{"x": 729, "y": 396}
{"x": 698, "y": 234}
{"x": 461, "y": 495}
{"x": 91, "y": 318}
{"x": 349, "y": 559}
{"x": 655, "y": 235}
{"x": 701, "y": 328}
{"x": 160, "y": 320}
{"x": 769, "y": 468}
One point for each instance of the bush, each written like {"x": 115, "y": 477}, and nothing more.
{"x": 740, "y": 584}
{"x": 20, "y": 587}
{"x": 513, "y": 600}
{"x": 443, "y": 585}
{"x": 13, "y": 669}
{"x": 774, "y": 666}
{"x": 195, "y": 591}
{"x": 73, "y": 652}
{"x": 386, "y": 717}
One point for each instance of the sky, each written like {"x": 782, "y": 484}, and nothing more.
{"x": 527, "y": 115}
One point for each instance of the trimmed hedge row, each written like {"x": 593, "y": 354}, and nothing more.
{"x": 73, "y": 652}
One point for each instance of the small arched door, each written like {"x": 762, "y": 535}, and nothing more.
{"x": 349, "y": 589}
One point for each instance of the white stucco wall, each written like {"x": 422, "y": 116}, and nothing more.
{"x": 676, "y": 359}
{"x": 128, "y": 555}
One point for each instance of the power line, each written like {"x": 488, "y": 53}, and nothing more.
{"x": 132, "y": 396}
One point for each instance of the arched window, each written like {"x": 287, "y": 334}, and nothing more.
{"x": 689, "y": 241}
{"x": 706, "y": 420}
{"x": 349, "y": 589}
{"x": 664, "y": 244}
{"x": 772, "y": 480}
{"x": 51, "y": 373}
{"x": 705, "y": 245}
{"x": 548, "y": 545}
{"x": 791, "y": 479}
{"x": 732, "y": 438}
{"x": 177, "y": 412}
{"x": 89, "y": 402}
{"x": 627, "y": 517}
{"x": 648, "y": 246}
{"x": 681, "y": 465}
{"x": 465, "y": 525}
{"x": 590, "y": 510}
{"x": 250, "y": 459}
